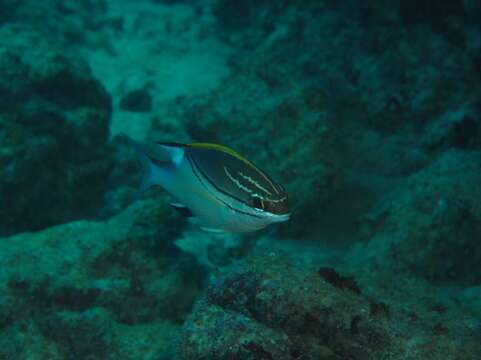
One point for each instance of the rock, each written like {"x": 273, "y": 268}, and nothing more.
{"x": 25, "y": 341}
{"x": 136, "y": 101}
{"x": 271, "y": 309}
{"x": 320, "y": 121}
{"x": 429, "y": 226}
{"x": 54, "y": 123}
{"x": 69, "y": 22}
{"x": 428, "y": 11}
{"x": 82, "y": 287}
{"x": 81, "y": 335}
{"x": 242, "y": 338}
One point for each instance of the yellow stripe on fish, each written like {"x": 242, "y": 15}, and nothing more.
{"x": 221, "y": 148}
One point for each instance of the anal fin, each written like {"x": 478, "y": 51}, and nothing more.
{"x": 182, "y": 209}
{"x": 213, "y": 230}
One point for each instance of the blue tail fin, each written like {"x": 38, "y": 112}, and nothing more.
{"x": 151, "y": 167}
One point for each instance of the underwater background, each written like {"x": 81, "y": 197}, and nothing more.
{"x": 367, "y": 112}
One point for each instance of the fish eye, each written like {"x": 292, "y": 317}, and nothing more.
{"x": 258, "y": 203}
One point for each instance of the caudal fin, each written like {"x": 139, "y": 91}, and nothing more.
{"x": 151, "y": 167}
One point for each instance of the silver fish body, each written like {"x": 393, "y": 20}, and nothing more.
{"x": 223, "y": 190}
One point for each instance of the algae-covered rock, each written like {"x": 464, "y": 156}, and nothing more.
{"x": 82, "y": 335}
{"x": 430, "y": 227}
{"x": 241, "y": 337}
{"x": 81, "y": 288}
{"x": 70, "y": 22}
{"x": 136, "y": 101}
{"x": 304, "y": 316}
{"x": 326, "y": 104}
{"x": 54, "y": 121}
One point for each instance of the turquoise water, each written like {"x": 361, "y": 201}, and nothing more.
{"x": 366, "y": 113}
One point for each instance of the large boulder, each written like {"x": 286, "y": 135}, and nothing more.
{"x": 429, "y": 227}
{"x": 87, "y": 289}
{"x": 332, "y": 112}
{"x": 71, "y": 22}
{"x": 54, "y": 123}
{"x": 271, "y": 309}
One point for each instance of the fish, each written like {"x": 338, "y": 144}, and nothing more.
{"x": 214, "y": 184}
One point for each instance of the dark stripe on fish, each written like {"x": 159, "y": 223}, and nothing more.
{"x": 196, "y": 169}
{"x": 234, "y": 177}
{"x": 214, "y": 185}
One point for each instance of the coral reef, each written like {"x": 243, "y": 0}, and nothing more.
{"x": 371, "y": 102}
{"x": 83, "y": 286}
{"x": 63, "y": 22}
{"x": 270, "y": 309}
{"x": 429, "y": 227}
{"x": 367, "y": 112}
{"x": 54, "y": 122}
